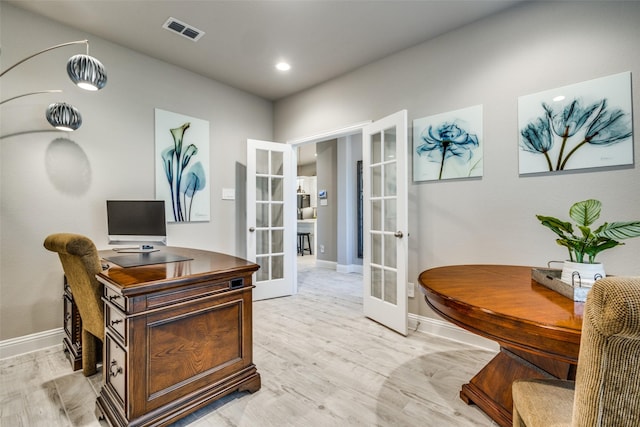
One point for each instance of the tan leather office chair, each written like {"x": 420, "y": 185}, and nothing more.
{"x": 606, "y": 392}
{"x": 80, "y": 262}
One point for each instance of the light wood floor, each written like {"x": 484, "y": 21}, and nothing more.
{"x": 322, "y": 364}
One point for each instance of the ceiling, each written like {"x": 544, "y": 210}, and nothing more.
{"x": 244, "y": 39}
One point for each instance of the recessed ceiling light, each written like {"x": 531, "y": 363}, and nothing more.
{"x": 283, "y": 66}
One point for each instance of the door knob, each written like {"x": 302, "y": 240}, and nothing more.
{"x": 398, "y": 234}
{"x": 252, "y": 229}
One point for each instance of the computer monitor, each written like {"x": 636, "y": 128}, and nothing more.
{"x": 136, "y": 222}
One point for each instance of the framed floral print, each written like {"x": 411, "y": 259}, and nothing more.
{"x": 182, "y": 166}
{"x": 580, "y": 126}
{"x": 448, "y": 145}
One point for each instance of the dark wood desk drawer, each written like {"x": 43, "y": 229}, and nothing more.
{"x": 115, "y": 371}
{"x": 117, "y": 323}
{"x": 115, "y": 298}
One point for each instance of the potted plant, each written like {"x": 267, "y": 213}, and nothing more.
{"x": 584, "y": 244}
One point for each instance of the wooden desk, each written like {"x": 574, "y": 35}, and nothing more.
{"x": 177, "y": 336}
{"x": 538, "y": 329}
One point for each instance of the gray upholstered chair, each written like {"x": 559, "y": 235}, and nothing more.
{"x": 81, "y": 263}
{"x": 606, "y": 392}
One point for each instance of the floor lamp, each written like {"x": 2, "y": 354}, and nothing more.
{"x": 85, "y": 71}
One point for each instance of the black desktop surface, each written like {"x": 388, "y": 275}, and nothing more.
{"x": 146, "y": 258}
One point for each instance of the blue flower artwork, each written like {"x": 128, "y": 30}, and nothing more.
{"x": 448, "y": 145}
{"x": 182, "y": 166}
{"x": 581, "y": 126}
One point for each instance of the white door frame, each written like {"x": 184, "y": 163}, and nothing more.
{"x": 332, "y": 134}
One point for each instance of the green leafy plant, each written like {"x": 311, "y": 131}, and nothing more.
{"x": 584, "y": 246}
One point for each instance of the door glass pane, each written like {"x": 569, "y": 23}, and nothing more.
{"x": 376, "y": 249}
{"x": 376, "y": 282}
{"x": 277, "y": 211}
{"x": 390, "y": 144}
{"x": 262, "y": 188}
{"x": 376, "y": 215}
{"x": 262, "y": 242}
{"x": 390, "y": 243}
{"x": 390, "y": 219}
{"x": 277, "y": 264}
{"x": 376, "y": 148}
{"x": 376, "y": 181}
{"x": 277, "y": 242}
{"x": 390, "y": 284}
{"x": 263, "y": 273}
{"x": 277, "y": 189}
{"x": 262, "y": 215}
{"x": 277, "y": 163}
{"x": 390, "y": 179}
{"x": 262, "y": 162}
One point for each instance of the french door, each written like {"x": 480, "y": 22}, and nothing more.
{"x": 271, "y": 217}
{"x": 384, "y": 161}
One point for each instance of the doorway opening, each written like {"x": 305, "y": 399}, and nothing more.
{"x": 306, "y": 204}
{"x": 328, "y": 183}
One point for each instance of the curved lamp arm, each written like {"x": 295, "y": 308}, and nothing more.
{"x": 31, "y": 93}
{"x": 45, "y": 50}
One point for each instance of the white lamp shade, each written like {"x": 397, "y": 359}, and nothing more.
{"x": 64, "y": 117}
{"x": 86, "y": 72}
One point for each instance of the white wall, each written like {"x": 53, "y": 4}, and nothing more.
{"x": 526, "y": 49}
{"x": 50, "y": 184}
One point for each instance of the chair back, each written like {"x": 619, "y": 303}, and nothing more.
{"x": 608, "y": 375}
{"x": 81, "y": 263}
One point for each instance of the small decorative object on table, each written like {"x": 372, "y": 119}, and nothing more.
{"x": 583, "y": 248}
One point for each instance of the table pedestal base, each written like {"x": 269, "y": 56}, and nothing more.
{"x": 490, "y": 389}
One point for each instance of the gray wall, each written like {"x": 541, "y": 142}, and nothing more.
{"x": 326, "y": 167}
{"x": 526, "y": 49}
{"x": 50, "y": 184}
{"x": 349, "y": 150}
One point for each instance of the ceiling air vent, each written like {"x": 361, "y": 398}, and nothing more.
{"x": 185, "y": 30}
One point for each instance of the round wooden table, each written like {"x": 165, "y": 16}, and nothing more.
{"x": 537, "y": 328}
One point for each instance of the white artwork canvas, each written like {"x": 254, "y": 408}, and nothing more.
{"x": 448, "y": 145}
{"x": 580, "y": 126}
{"x": 182, "y": 166}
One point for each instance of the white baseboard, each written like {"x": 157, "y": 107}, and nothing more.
{"x": 349, "y": 268}
{"x": 28, "y": 343}
{"x": 326, "y": 264}
{"x": 450, "y": 331}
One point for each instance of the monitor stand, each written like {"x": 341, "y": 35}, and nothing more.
{"x": 142, "y": 249}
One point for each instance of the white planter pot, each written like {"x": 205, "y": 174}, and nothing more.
{"x": 579, "y": 274}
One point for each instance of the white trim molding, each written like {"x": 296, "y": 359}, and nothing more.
{"x": 326, "y": 264}
{"x": 450, "y": 331}
{"x": 33, "y": 342}
{"x": 330, "y": 134}
{"x": 349, "y": 268}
